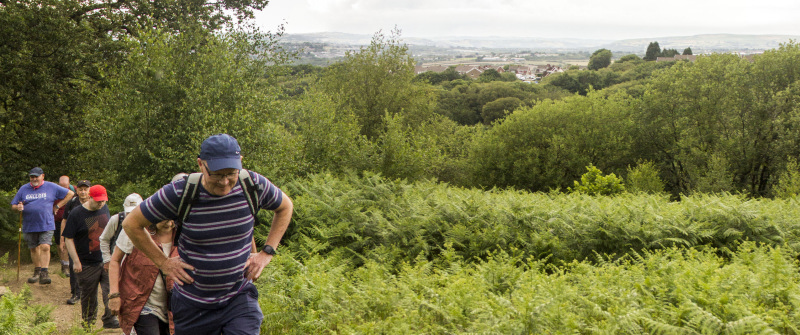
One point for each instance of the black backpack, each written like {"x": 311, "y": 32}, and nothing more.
{"x": 189, "y": 197}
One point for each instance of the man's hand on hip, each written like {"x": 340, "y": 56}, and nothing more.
{"x": 255, "y": 264}
{"x": 175, "y": 268}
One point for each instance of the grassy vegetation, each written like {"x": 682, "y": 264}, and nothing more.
{"x": 370, "y": 255}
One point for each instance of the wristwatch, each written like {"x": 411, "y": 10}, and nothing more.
{"x": 269, "y": 250}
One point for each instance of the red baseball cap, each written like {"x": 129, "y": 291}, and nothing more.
{"x": 98, "y": 193}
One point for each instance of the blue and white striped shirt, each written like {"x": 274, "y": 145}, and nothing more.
{"x": 216, "y": 237}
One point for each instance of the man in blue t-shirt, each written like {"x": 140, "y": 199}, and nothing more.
{"x": 215, "y": 243}
{"x": 36, "y": 202}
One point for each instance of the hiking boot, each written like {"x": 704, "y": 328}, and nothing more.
{"x": 35, "y": 277}
{"x": 113, "y": 323}
{"x": 73, "y": 300}
{"x": 44, "y": 277}
{"x": 65, "y": 269}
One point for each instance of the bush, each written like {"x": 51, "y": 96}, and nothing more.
{"x": 788, "y": 185}
{"x": 644, "y": 178}
{"x": 594, "y": 183}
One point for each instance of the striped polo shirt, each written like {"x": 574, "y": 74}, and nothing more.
{"x": 216, "y": 237}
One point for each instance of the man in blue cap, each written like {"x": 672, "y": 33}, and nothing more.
{"x": 38, "y": 201}
{"x": 215, "y": 242}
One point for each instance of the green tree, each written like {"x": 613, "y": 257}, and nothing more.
{"x": 548, "y": 146}
{"x": 376, "y": 80}
{"x": 653, "y": 51}
{"x": 687, "y": 51}
{"x": 498, "y": 109}
{"x": 173, "y": 91}
{"x": 644, "y": 178}
{"x": 669, "y": 53}
{"x": 600, "y": 59}
{"x": 56, "y": 55}
{"x": 628, "y": 58}
{"x": 489, "y": 75}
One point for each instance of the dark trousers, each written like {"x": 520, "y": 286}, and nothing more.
{"x": 242, "y": 316}
{"x": 74, "y": 288}
{"x": 88, "y": 279}
{"x": 150, "y": 325}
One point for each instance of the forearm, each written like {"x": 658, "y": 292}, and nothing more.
{"x": 71, "y": 249}
{"x": 113, "y": 276}
{"x": 66, "y": 199}
{"x": 134, "y": 225}
{"x": 280, "y": 222}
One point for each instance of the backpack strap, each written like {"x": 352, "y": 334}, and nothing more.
{"x": 189, "y": 195}
{"x": 113, "y": 242}
{"x": 190, "y": 191}
{"x": 250, "y": 190}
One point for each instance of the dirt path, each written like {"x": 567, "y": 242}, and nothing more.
{"x": 55, "y": 294}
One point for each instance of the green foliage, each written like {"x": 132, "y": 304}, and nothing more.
{"x": 549, "y": 145}
{"x": 594, "y": 183}
{"x": 644, "y": 178}
{"x": 600, "y": 59}
{"x": 581, "y": 82}
{"x": 498, "y": 109}
{"x": 788, "y": 185}
{"x": 629, "y": 58}
{"x": 653, "y": 51}
{"x": 19, "y": 316}
{"x": 727, "y": 137}
{"x": 172, "y": 93}
{"x": 391, "y": 222}
{"x": 437, "y": 78}
{"x": 687, "y": 51}
{"x": 463, "y": 101}
{"x": 376, "y": 80}
{"x": 664, "y": 292}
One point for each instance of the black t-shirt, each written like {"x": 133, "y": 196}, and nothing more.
{"x": 71, "y": 204}
{"x": 84, "y": 227}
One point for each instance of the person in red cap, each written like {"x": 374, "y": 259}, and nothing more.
{"x": 82, "y": 232}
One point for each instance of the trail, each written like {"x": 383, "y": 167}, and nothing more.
{"x": 55, "y": 294}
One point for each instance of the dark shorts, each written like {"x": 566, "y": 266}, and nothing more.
{"x": 240, "y": 317}
{"x": 38, "y": 238}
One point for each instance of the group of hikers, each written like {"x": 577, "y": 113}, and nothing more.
{"x": 182, "y": 261}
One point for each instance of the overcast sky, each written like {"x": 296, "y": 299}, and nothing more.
{"x": 595, "y": 19}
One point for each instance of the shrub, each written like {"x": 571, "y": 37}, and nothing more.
{"x": 644, "y": 178}
{"x": 788, "y": 185}
{"x": 594, "y": 183}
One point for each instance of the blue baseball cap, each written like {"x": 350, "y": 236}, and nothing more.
{"x": 37, "y": 171}
{"x": 221, "y": 151}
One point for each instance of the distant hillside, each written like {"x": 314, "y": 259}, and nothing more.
{"x": 701, "y": 43}
{"x": 698, "y": 43}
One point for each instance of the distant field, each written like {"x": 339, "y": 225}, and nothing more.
{"x": 562, "y": 63}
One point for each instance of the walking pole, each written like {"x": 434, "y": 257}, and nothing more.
{"x": 19, "y": 244}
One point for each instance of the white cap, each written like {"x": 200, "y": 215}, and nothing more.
{"x": 131, "y": 201}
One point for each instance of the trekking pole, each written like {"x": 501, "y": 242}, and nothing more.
{"x": 19, "y": 244}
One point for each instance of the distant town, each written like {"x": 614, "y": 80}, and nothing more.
{"x": 543, "y": 58}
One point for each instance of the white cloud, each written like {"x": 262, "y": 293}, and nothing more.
{"x": 610, "y": 19}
